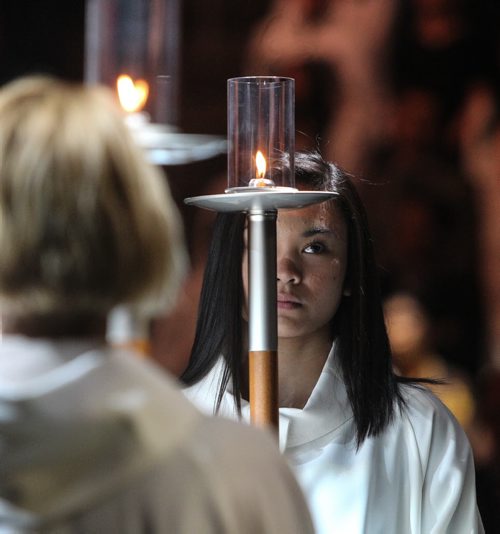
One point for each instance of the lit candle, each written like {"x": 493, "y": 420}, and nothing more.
{"x": 133, "y": 96}
{"x": 261, "y": 168}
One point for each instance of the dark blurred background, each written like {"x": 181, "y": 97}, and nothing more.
{"x": 402, "y": 93}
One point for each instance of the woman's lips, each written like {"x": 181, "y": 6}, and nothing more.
{"x": 287, "y": 303}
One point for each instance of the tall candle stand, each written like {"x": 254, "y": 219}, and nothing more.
{"x": 261, "y": 180}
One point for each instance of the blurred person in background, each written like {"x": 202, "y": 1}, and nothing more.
{"x": 408, "y": 328}
{"x": 479, "y": 136}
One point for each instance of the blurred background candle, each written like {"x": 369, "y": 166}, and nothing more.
{"x": 133, "y": 96}
{"x": 133, "y": 47}
{"x": 138, "y": 39}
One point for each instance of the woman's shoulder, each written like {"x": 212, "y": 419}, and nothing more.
{"x": 429, "y": 421}
{"x": 419, "y": 402}
{"x": 439, "y": 454}
{"x": 421, "y": 407}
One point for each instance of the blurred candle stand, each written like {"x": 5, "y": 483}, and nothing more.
{"x": 133, "y": 47}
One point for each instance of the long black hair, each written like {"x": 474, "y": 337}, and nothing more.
{"x": 361, "y": 342}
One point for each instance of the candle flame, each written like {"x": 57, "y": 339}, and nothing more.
{"x": 132, "y": 95}
{"x": 260, "y": 162}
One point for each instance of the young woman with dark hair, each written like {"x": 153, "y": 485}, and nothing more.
{"x": 373, "y": 452}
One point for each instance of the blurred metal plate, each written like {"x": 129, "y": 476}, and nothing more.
{"x": 166, "y": 147}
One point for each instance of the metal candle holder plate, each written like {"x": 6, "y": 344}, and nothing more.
{"x": 259, "y": 200}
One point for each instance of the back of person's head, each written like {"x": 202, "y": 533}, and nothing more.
{"x": 86, "y": 223}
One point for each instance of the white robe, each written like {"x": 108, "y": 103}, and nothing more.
{"x": 97, "y": 440}
{"x": 417, "y": 477}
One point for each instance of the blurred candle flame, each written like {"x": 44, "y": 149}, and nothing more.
{"x": 132, "y": 95}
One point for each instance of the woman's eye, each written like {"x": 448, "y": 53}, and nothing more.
{"x": 314, "y": 248}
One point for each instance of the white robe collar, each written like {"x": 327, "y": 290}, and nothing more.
{"x": 325, "y": 412}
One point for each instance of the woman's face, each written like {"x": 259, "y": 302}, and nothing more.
{"x": 311, "y": 266}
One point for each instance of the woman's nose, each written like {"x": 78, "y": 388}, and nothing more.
{"x": 287, "y": 270}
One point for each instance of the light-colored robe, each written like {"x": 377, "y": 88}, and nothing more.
{"x": 417, "y": 477}
{"x": 95, "y": 440}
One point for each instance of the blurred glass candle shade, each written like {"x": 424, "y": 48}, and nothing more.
{"x": 133, "y": 47}
{"x": 136, "y": 41}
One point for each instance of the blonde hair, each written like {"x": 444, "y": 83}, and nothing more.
{"x": 86, "y": 223}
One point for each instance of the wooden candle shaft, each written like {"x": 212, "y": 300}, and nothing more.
{"x": 263, "y": 383}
